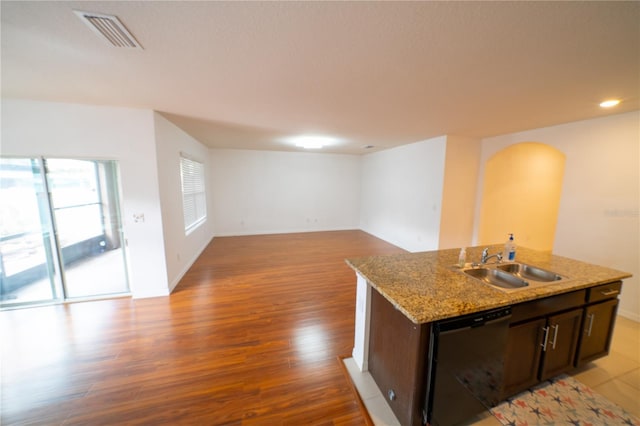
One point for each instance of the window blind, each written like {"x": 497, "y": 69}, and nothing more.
{"x": 194, "y": 202}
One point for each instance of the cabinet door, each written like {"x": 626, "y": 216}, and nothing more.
{"x": 522, "y": 360}
{"x": 561, "y": 345}
{"x": 597, "y": 330}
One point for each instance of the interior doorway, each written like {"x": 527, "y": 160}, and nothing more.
{"x": 60, "y": 235}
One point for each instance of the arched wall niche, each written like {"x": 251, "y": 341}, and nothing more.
{"x": 521, "y": 195}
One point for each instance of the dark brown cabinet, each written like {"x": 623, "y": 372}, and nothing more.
{"x": 551, "y": 336}
{"x": 598, "y": 325}
{"x": 522, "y": 360}
{"x": 598, "y": 322}
{"x": 542, "y": 340}
{"x": 540, "y": 349}
{"x": 560, "y": 343}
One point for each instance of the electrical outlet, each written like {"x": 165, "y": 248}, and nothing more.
{"x": 138, "y": 217}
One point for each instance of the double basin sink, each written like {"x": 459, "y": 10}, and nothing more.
{"x": 513, "y": 276}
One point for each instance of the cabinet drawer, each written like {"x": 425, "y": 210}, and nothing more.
{"x": 546, "y": 306}
{"x": 603, "y": 292}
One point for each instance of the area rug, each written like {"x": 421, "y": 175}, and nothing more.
{"x": 561, "y": 401}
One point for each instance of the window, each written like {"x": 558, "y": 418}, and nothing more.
{"x": 194, "y": 201}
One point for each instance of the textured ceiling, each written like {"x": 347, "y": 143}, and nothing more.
{"x": 249, "y": 74}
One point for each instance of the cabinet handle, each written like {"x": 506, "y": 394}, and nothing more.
{"x": 555, "y": 335}
{"x": 591, "y": 317}
{"x": 609, "y": 292}
{"x": 546, "y": 338}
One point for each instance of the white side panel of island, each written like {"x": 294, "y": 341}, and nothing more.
{"x": 363, "y": 315}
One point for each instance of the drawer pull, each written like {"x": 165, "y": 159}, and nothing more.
{"x": 555, "y": 336}
{"x": 591, "y": 317}
{"x": 546, "y": 338}
{"x": 609, "y": 292}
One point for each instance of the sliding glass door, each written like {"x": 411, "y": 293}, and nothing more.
{"x": 61, "y": 234}
{"x": 28, "y": 272}
{"x": 84, "y": 201}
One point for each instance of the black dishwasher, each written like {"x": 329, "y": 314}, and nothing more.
{"x": 465, "y": 372}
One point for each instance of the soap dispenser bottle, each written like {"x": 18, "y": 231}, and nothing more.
{"x": 510, "y": 249}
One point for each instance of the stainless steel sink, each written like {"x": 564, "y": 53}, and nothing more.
{"x": 529, "y": 272}
{"x": 512, "y": 276}
{"x": 497, "y": 277}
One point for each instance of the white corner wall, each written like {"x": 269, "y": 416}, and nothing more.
{"x": 458, "y": 199}
{"x": 181, "y": 250}
{"x": 599, "y": 219}
{"x": 33, "y": 129}
{"x": 401, "y": 197}
{"x": 264, "y": 192}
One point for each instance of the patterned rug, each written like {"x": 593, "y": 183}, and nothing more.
{"x": 561, "y": 401}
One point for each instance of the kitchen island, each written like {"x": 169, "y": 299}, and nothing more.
{"x": 400, "y": 298}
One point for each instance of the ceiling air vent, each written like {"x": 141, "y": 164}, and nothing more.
{"x": 109, "y": 28}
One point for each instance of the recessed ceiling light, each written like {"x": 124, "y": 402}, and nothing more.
{"x": 609, "y": 103}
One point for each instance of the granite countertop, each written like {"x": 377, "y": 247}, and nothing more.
{"x": 427, "y": 286}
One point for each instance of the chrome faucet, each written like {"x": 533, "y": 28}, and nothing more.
{"x": 486, "y": 257}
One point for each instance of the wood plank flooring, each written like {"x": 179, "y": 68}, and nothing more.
{"x": 250, "y": 336}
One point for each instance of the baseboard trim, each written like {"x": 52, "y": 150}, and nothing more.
{"x": 188, "y": 265}
{"x": 633, "y": 316}
{"x": 363, "y": 409}
{"x": 281, "y": 231}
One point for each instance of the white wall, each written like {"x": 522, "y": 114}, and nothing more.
{"x": 458, "y": 198}
{"x": 180, "y": 250}
{"x": 598, "y": 221}
{"x": 401, "y": 195}
{"x": 262, "y": 192}
{"x": 32, "y": 129}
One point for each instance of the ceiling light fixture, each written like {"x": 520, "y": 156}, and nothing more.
{"x": 310, "y": 144}
{"x": 312, "y": 141}
{"x": 609, "y": 103}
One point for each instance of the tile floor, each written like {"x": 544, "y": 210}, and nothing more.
{"x": 616, "y": 377}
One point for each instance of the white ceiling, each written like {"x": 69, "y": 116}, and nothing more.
{"x": 248, "y": 74}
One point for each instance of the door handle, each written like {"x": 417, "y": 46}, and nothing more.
{"x": 545, "y": 340}
{"x": 591, "y": 318}
{"x": 609, "y": 292}
{"x": 555, "y": 336}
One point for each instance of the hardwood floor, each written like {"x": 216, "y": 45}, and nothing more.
{"x": 250, "y": 336}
